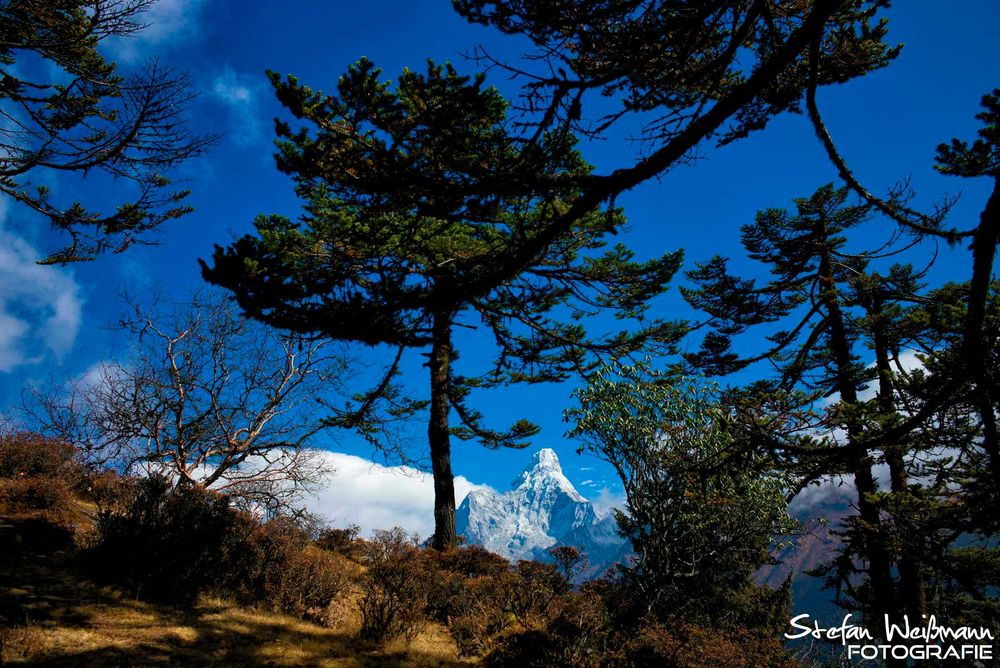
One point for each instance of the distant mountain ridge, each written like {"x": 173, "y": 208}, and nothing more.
{"x": 541, "y": 510}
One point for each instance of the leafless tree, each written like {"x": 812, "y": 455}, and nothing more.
{"x": 206, "y": 398}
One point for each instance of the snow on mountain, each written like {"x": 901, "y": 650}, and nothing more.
{"x": 541, "y": 510}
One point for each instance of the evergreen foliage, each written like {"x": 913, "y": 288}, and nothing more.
{"x": 75, "y": 113}
{"x": 378, "y": 260}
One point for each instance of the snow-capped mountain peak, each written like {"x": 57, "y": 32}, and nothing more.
{"x": 544, "y": 477}
{"x": 545, "y": 458}
{"x": 541, "y": 510}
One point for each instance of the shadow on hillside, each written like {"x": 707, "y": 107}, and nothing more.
{"x": 51, "y": 617}
{"x": 213, "y": 638}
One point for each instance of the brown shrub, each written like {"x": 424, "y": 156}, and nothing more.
{"x": 173, "y": 543}
{"x": 38, "y": 474}
{"x": 694, "y": 646}
{"x": 577, "y": 632}
{"x": 395, "y": 587}
{"x": 466, "y": 594}
{"x": 29, "y": 455}
{"x": 341, "y": 541}
{"x": 471, "y": 561}
{"x": 109, "y": 491}
{"x": 161, "y": 542}
{"x": 483, "y": 611}
{"x": 309, "y": 582}
{"x": 538, "y": 587}
{"x": 18, "y": 495}
{"x": 256, "y": 554}
{"x": 483, "y": 601}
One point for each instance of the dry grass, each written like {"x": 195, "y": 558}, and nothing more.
{"x": 49, "y": 616}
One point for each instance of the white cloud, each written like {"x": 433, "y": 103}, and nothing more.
{"x": 908, "y": 361}
{"x": 165, "y": 21}
{"x": 828, "y": 489}
{"x": 381, "y": 497}
{"x": 607, "y": 500}
{"x": 40, "y": 306}
{"x": 239, "y": 93}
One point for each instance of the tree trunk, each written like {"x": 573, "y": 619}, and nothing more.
{"x": 872, "y": 547}
{"x": 910, "y": 578}
{"x": 438, "y": 433}
{"x": 975, "y": 348}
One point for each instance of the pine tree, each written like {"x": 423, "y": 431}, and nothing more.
{"x": 836, "y": 305}
{"x": 685, "y": 73}
{"x": 75, "y": 114}
{"x": 393, "y": 250}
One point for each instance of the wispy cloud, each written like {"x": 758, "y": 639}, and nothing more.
{"x": 607, "y": 500}
{"x": 240, "y": 94}
{"x": 40, "y": 306}
{"x": 381, "y": 497}
{"x": 166, "y": 22}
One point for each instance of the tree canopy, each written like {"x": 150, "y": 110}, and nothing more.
{"x": 390, "y": 243}
{"x": 74, "y": 113}
{"x": 700, "y": 523}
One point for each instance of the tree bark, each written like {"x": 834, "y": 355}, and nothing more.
{"x": 975, "y": 346}
{"x": 872, "y": 548}
{"x": 910, "y": 578}
{"x": 438, "y": 433}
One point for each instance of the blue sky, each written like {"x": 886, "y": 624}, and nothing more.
{"x": 53, "y": 321}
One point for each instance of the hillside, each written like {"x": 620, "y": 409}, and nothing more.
{"x": 52, "y": 616}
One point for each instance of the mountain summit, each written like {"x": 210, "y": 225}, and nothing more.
{"x": 541, "y": 510}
